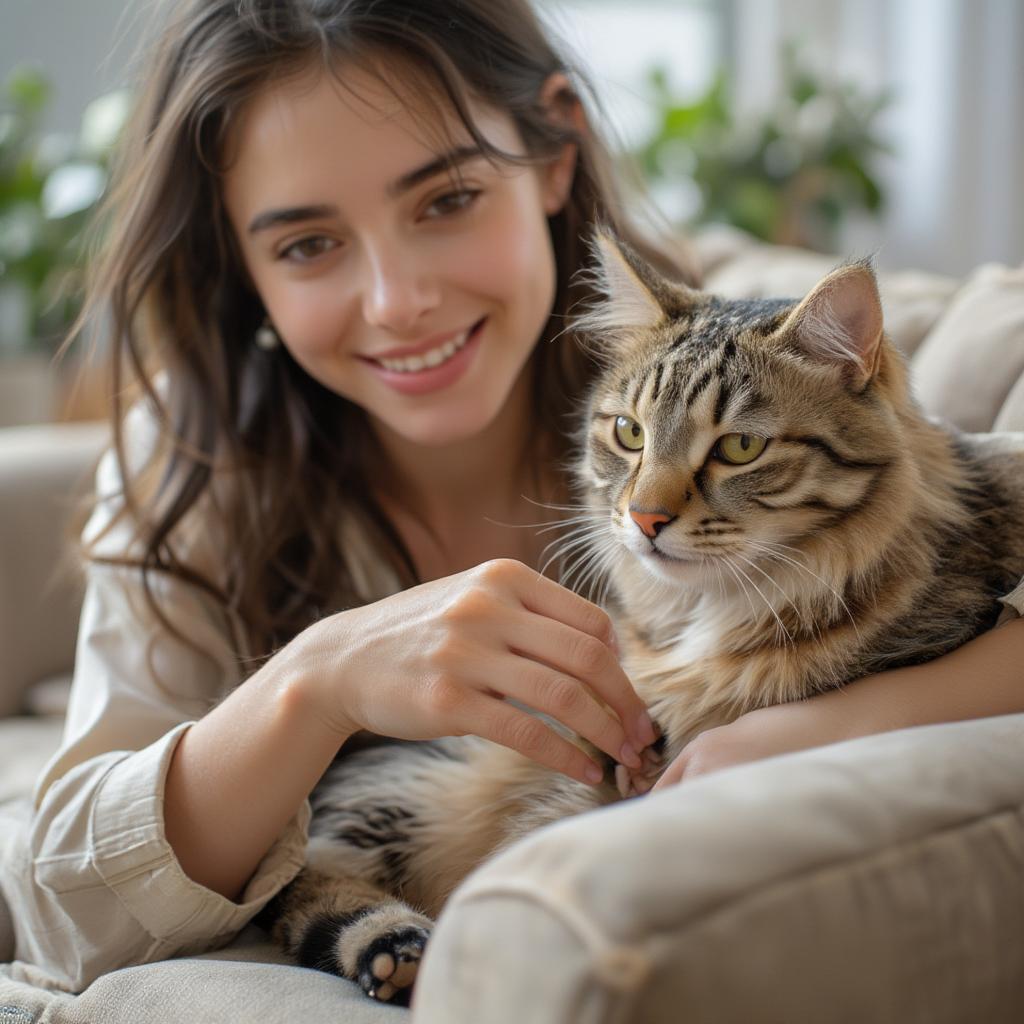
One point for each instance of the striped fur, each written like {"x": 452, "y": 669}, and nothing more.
{"x": 864, "y": 536}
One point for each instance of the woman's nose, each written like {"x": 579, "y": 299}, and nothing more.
{"x": 399, "y": 288}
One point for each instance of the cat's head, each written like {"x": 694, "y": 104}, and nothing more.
{"x": 724, "y": 434}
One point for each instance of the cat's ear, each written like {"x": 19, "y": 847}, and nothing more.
{"x": 633, "y": 296}
{"x": 840, "y": 322}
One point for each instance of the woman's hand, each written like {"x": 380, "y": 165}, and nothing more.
{"x": 761, "y": 733}
{"x": 440, "y": 659}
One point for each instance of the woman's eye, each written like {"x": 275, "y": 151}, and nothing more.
{"x": 740, "y": 449}
{"x": 307, "y": 249}
{"x": 629, "y": 433}
{"x": 453, "y": 202}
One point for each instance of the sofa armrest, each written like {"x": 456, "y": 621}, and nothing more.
{"x": 874, "y": 880}
{"x": 44, "y": 470}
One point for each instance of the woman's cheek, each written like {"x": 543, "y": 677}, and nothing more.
{"x": 516, "y": 253}
{"x": 311, "y": 320}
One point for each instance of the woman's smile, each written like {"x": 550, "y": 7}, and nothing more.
{"x": 431, "y": 370}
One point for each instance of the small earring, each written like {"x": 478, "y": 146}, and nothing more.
{"x": 266, "y": 336}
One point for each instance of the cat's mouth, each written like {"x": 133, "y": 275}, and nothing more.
{"x": 655, "y": 552}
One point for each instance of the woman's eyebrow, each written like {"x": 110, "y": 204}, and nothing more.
{"x": 289, "y": 215}
{"x": 294, "y": 214}
{"x": 445, "y": 162}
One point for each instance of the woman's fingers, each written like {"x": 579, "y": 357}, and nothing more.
{"x": 578, "y": 638}
{"x": 528, "y": 735}
{"x": 569, "y": 702}
{"x": 563, "y": 672}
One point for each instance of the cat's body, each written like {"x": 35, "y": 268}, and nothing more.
{"x": 860, "y": 536}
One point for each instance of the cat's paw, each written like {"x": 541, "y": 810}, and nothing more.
{"x": 632, "y": 782}
{"x": 389, "y": 966}
{"x": 382, "y": 952}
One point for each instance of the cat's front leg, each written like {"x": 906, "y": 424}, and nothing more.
{"x": 380, "y": 948}
{"x": 345, "y": 925}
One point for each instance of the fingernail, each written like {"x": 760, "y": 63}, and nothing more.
{"x": 593, "y": 774}
{"x": 646, "y": 730}
{"x": 615, "y": 644}
{"x": 629, "y": 757}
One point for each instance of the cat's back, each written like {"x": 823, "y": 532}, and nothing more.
{"x": 1001, "y": 457}
{"x": 986, "y": 554}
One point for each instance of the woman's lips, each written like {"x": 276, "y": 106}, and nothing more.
{"x": 431, "y": 378}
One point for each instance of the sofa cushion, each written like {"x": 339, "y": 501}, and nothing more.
{"x": 973, "y": 358}
{"x": 1011, "y": 415}
{"x": 43, "y": 471}
{"x": 245, "y": 983}
{"x": 49, "y": 696}
{"x": 876, "y": 880}
{"x": 26, "y": 744}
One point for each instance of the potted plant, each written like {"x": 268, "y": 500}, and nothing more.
{"x": 49, "y": 186}
{"x": 788, "y": 173}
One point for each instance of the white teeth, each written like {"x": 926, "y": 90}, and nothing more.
{"x": 428, "y": 360}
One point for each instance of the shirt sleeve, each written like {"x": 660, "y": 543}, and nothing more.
{"x": 1013, "y": 603}
{"x": 103, "y": 887}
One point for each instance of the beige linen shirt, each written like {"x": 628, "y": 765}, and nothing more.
{"x": 1013, "y": 603}
{"x": 105, "y": 889}
{"x": 102, "y": 888}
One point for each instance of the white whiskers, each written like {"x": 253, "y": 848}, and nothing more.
{"x": 767, "y": 548}
{"x": 782, "y": 626}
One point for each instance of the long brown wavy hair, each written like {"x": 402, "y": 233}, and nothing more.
{"x": 169, "y": 290}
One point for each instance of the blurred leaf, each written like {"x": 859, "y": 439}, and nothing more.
{"x": 788, "y": 173}
{"x": 72, "y": 188}
{"x": 103, "y": 120}
{"x": 28, "y": 90}
{"x": 50, "y": 186}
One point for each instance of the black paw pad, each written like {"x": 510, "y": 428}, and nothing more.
{"x": 387, "y": 967}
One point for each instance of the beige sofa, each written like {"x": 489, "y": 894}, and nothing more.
{"x": 878, "y": 880}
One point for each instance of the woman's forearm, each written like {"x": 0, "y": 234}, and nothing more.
{"x": 239, "y": 774}
{"x": 982, "y": 678}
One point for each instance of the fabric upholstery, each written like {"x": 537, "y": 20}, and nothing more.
{"x": 971, "y": 361}
{"x": 43, "y": 469}
{"x": 1011, "y": 414}
{"x": 247, "y": 983}
{"x": 877, "y": 880}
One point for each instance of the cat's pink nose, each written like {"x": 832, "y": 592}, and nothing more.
{"x": 650, "y": 522}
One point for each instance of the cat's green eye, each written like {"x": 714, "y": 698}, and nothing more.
{"x": 740, "y": 449}
{"x": 629, "y": 433}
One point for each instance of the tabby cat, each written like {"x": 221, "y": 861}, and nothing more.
{"x": 774, "y": 515}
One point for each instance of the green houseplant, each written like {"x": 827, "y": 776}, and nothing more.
{"x": 788, "y": 173}
{"x": 49, "y": 186}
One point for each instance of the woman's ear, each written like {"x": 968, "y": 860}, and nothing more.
{"x": 562, "y": 104}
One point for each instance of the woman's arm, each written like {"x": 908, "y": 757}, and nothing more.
{"x": 982, "y": 678}
{"x": 238, "y": 775}
{"x": 434, "y": 660}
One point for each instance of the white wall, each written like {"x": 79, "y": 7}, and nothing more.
{"x": 82, "y": 45}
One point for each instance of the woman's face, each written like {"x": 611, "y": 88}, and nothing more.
{"x": 416, "y": 298}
